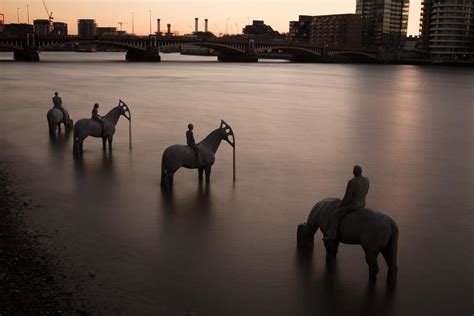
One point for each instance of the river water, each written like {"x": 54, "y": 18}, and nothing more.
{"x": 230, "y": 249}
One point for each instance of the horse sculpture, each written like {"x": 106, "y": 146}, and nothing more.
{"x": 177, "y": 156}
{"x": 374, "y": 230}
{"x": 89, "y": 127}
{"x": 55, "y": 117}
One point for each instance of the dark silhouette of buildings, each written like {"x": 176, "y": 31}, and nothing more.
{"x": 447, "y": 29}
{"x": 59, "y": 29}
{"x": 42, "y": 27}
{"x": 332, "y": 31}
{"x": 260, "y": 28}
{"x": 106, "y": 31}
{"x": 300, "y": 30}
{"x": 384, "y": 22}
{"x": 336, "y": 31}
{"x": 18, "y": 28}
{"x": 86, "y": 27}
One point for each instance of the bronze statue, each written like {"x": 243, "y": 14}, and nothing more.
{"x": 98, "y": 118}
{"x": 57, "y": 115}
{"x": 177, "y": 156}
{"x": 354, "y": 199}
{"x": 374, "y": 230}
{"x": 191, "y": 142}
{"x": 92, "y": 127}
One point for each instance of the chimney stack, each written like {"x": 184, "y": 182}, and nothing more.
{"x": 158, "y": 27}
{"x": 169, "y": 29}
{"x": 196, "y": 25}
{"x": 205, "y": 25}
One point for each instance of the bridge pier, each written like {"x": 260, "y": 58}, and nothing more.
{"x": 150, "y": 55}
{"x": 29, "y": 54}
{"x": 237, "y": 58}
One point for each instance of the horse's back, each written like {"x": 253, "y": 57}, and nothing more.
{"x": 89, "y": 127}
{"x": 366, "y": 225}
{"x": 54, "y": 115}
{"x": 176, "y": 156}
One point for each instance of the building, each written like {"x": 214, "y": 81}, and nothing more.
{"x": 259, "y": 27}
{"x": 86, "y": 27}
{"x": 59, "y": 29}
{"x": 447, "y": 29}
{"x": 106, "y": 31}
{"x": 300, "y": 30}
{"x": 18, "y": 28}
{"x": 336, "y": 31}
{"x": 2, "y": 22}
{"x": 384, "y": 22}
{"x": 42, "y": 27}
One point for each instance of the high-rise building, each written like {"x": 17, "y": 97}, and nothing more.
{"x": 384, "y": 22}
{"x": 300, "y": 30}
{"x": 447, "y": 28}
{"x": 86, "y": 27}
{"x": 336, "y": 31}
{"x": 42, "y": 27}
{"x": 59, "y": 29}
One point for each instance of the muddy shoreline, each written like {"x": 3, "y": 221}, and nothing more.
{"x": 34, "y": 279}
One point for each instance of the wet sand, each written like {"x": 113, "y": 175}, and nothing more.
{"x": 33, "y": 278}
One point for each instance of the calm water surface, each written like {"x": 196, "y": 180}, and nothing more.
{"x": 229, "y": 249}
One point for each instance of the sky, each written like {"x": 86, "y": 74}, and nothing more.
{"x": 224, "y": 15}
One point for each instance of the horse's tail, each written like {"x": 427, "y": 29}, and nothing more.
{"x": 390, "y": 254}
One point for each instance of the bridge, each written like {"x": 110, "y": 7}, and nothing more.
{"x": 147, "y": 48}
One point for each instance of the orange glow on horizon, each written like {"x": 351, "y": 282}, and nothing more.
{"x": 224, "y": 15}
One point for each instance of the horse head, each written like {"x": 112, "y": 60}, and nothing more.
{"x": 227, "y": 133}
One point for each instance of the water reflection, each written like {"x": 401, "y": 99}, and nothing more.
{"x": 200, "y": 201}
{"x": 326, "y": 290}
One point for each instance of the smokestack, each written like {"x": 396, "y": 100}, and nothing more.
{"x": 169, "y": 29}
{"x": 158, "y": 27}
{"x": 205, "y": 25}
{"x": 196, "y": 25}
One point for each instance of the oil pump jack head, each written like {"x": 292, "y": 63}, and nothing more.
{"x": 125, "y": 110}
{"x": 228, "y": 133}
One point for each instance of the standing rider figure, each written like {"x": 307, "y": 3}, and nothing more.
{"x": 97, "y": 117}
{"x": 354, "y": 199}
{"x": 191, "y": 142}
{"x": 58, "y": 104}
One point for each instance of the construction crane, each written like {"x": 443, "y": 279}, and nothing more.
{"x": 48, "y": 13}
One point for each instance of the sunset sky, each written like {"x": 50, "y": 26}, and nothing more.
{"x": 222, "y": 14}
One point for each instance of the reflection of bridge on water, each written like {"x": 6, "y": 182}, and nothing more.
{"x": 147, "y": 48}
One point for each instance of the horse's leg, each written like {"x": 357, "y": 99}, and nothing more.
{"x": 208, "y": 173}
{"x": 200, "y": 173}
{"x": 371, "y": 259}
{"x": 171, "y": 178}
{"x": 336, "y": 247}
{"x": 110, "y": 142}
{"x": 104, "y": 143}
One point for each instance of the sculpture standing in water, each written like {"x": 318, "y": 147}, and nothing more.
{"x": 57, "y": 115}
{"x": 374, "y": 230}
{"x": 177, "y": 156}
{"x": 91, "y": 127}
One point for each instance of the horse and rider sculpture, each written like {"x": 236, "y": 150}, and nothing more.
{"x": 349, "y": 221}
{"x": 58, "y": 115}
{"x": 99, "y": 126}
{"x": 341, "y": 221}
{"x": 199, "y": 156}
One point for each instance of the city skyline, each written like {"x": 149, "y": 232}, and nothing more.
{"x": 225, "y": 16}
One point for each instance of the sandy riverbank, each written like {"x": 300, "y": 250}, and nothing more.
{"x": 33, "y": 280}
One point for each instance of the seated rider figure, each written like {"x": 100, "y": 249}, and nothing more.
{"x": 58, "y": 104}
{"x": 97, "y": 117}
{"x": 354, "y": 199}
{"x": 191, "y": 142}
